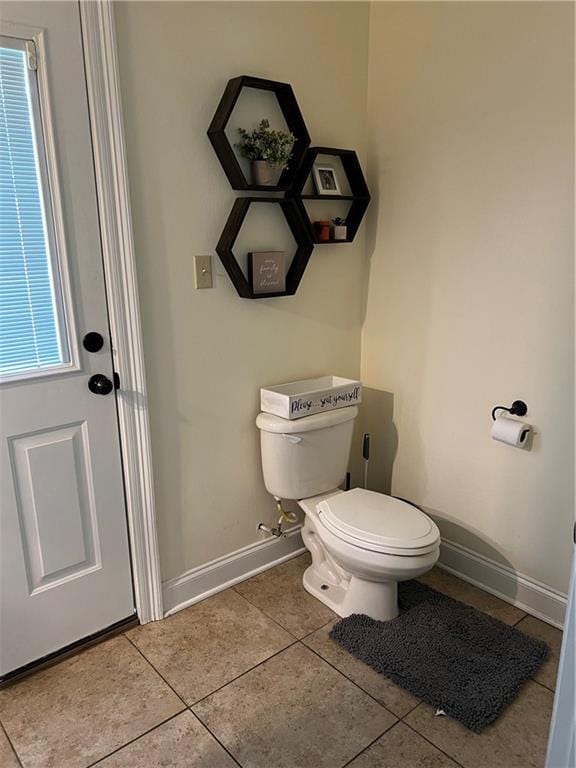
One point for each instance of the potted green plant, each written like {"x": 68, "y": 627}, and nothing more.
{"x": 268, "y": 151}
{"x": 340, "y": 228}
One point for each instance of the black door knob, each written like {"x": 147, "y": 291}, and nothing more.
{"x": 93, "y": 341}
{"x": 100, "y": 384}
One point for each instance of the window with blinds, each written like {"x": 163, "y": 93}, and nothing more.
{"x": 32, "y": 332}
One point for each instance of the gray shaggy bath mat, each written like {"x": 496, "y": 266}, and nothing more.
{"x": 450, "y": 655}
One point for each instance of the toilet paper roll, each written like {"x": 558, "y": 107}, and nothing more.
{"x": 511, "y": 431}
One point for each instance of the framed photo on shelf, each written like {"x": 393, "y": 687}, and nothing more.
{"x": 325, "y": 180}
{"x": 267, "y": 271}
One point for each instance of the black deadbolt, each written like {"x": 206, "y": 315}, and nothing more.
{"x": 93, "y": 341}
{"x": 100, "y": 384}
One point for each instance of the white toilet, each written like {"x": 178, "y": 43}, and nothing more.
{"x": 362, "y": 543}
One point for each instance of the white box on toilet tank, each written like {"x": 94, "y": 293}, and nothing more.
{"x": 309, "y": 396}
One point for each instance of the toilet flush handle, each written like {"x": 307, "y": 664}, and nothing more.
{"x": 294, "y": 439}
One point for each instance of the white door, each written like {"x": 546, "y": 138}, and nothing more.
{"x": 562, "y": 741}
{"x": 64, "y": 557}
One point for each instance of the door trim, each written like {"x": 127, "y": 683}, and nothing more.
{"x": 104, "y": 101}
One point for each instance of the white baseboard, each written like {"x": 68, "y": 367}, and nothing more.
{"x": 522, "y": 591}
{"x": 525, "y": 593}
{"x": 207, "y": 580}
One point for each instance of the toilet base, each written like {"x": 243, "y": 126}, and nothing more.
{"x": 378, "y": 600}
{"x": 349, "y": 579}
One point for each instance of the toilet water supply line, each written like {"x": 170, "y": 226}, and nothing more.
{"x": 283, "y": 517}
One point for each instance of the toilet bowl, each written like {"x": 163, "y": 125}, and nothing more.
{"x": 362, "y": 542}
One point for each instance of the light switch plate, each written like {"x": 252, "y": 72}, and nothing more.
{"x": 203, "y": 271}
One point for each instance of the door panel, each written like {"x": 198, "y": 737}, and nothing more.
{"x": 64, "y": 555}
{"x": 52, "y": 472}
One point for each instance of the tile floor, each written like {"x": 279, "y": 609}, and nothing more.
{"x": 251, "y": 678}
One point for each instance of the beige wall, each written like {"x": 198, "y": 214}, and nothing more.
{"x": 470, "y": 296}
{"x": 208, "y": 352}
{"x": 467, "y": 295}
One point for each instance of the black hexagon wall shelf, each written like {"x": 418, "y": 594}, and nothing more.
{"x": 359, "y": 197}
{"x": 294, "y": 121}
{"x": 300, "y": 232}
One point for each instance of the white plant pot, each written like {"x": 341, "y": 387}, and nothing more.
{"x": 264, "y": 174}
{"x": 340, "y": 232}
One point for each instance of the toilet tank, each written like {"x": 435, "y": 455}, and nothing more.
{"x": 307, "y": 456}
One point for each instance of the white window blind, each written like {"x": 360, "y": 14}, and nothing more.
{"x": 32, "y": 337}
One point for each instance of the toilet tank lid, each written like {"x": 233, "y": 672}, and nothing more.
{"x": 270, "y": 423}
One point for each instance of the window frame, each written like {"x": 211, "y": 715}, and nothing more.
{"x": 31, "y": 42}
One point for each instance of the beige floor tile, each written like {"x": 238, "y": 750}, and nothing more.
{"x": 205, "y": 646}
{"x": 549, "y": 670}
{"x": 468, "y": 593}
{"x": 394, "y": 698}
{"x": 7, "y": 757}
{"x": 516, "y": 740}
{"x": 82, "y": 709}
{"x": 183, "y": 742}
{"x": 280, "y": 594}
{"x": 400, "y": 747}
{"x": 293, "y": 711}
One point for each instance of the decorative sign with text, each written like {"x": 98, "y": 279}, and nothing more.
{"x": 327, "y": 401}
{"x": 297, "y": 399}
{"x": 267, "y": 271}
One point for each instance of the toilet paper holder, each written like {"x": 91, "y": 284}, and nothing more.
{"x": 518, "y": 408}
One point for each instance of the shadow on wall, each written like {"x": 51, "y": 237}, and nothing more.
{"x": 372, "y": 223}
{"x": 453, "y": 530}
{"x": 377, "y": 417}
{"x": 168, "y": 426}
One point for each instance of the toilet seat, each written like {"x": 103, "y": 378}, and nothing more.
{"x": 379, "y": 523}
